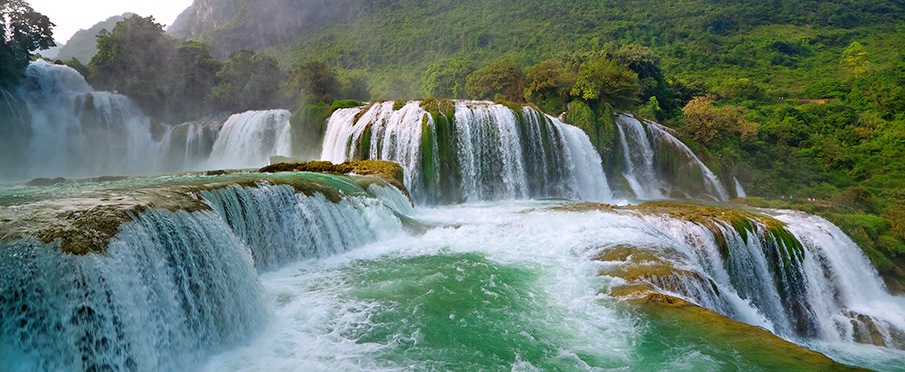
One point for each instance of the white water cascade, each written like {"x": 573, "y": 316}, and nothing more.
{"x": 172, "y": 288}
{"x": 739, "y": 190}
{"x": 68, "y": 129}
{"x": 656, "y": 165}
{"x": 76, "y": 131}
{"x": 280, "y": 226}
{"x": 826, "y": 291}
{"x": 249, "y": 139}
{"x": 483, "y": 151}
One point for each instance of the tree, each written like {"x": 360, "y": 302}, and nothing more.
{"x": 316, "y": 81}
{"x": 604, "y": 81}
{"x": 134, "y": 59}
{"x": 354, "y": 85}
{"x": 168, "y": 78}
{"x": 497, "y": 80}
{"x": 708, "y": 125}
{"x": 445, "y": 78}
{"x": 195, "y": 74}
{"x": 22, "y": 31}
{"x": 546, "y": 84}
{"x": 854, "y": 59}
{"x": 248, "y": 81}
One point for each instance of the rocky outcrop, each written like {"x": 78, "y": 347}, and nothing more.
{"x": 386, "y": 171}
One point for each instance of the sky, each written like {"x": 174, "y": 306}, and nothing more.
{"x": 70, "y": 16}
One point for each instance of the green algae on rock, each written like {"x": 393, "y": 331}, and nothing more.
{"x": 644, "y": 270}
{"x": 386, "y": 171}
{"x": 676, "y": 318}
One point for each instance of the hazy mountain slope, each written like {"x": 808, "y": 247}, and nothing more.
{"x": 230, "y": 25}
{"x": 83, "y": 44}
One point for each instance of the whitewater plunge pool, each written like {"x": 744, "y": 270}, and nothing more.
{"x": 266, "y": 273}
{"x": 500, "y": 286}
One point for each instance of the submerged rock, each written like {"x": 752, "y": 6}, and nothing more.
{"x": 751, "y": 343}
{"x": 651, "y": 281}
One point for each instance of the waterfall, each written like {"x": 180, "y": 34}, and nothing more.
{"x": 280, "y": 226}
{"x": 249, "y": 139}
{"x": 188, "y": 146}
{"x": 173, "y": 287}
{"x": 67, "y": 129}
{"x": 814, "y": 285}
{"x": 76, "y": 131}
{"x": 739, "y": 190}
{"x": 476, "y": 151}
{"x": 656, "y": 165}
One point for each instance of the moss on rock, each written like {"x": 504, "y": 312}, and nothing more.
{"x": 754, "y": 344}
{"x": 389, "y": 172}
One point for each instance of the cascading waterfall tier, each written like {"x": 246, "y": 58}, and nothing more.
{"x": 171, "y": 288}
{"x": 454, "y": 151}
{"x": 280, "y": 226}
{"x": 75, "y": 131}
{"x": 249, "y": 139}
{"x": 56, "y": 125}
{"x": 794, "y": 274}
{"x": 177, "y": 282}
{"x": 656, "y": 165}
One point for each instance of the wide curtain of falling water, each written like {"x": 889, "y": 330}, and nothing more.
{"x": 280, "y": 226}
{"x": 171, "y": 288}
{"x": 56, "y": 125}
{"x": 483, "y": 151}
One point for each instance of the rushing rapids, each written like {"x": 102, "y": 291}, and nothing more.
{"x": 56, "y": 125}
{"x": 316, "y": 270}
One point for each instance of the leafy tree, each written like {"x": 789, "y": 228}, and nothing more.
{"x": 547, "y": 84}
{"x": 195, "y": 73}
{"x": 497, "y": 80}
{"x": 709, "y": 125}
{"x": 354, "y": 85}
{"x": 22, "y": 30}
{"x": 604, "y": 81}
{"x": 248, "y": 81}
{"x": 316, "y": 81}
{"x": 742, "y": 88}
{"x": 854, "y": 58}
{"x": 168, "y": 78}
{"x": 133, "y": 59}
{"x": 445, "y": 78}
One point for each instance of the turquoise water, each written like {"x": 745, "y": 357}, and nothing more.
{"x": 508, "y": 286}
